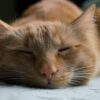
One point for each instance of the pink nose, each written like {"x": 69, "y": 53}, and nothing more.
{"x": 48, "y": 72}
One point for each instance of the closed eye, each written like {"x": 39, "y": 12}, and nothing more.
{"x": 23, "y": 51}
{"x": 64, "y": 49}
{"x": 26, "y": 52}
{"x": 68, "y": 48}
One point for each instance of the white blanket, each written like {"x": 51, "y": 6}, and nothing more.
{"x": 90, "y": 92}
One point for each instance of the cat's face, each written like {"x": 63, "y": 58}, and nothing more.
{"x": 48, "y": 54}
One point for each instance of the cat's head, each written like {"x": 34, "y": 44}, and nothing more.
{"x": 49, "y": 54}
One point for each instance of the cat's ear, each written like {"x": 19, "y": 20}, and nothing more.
{"x": 86, "y": 21}
{"x": 4, "y": 26}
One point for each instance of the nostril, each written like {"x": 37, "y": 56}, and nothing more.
{"x": 53, "y": 73}
{"x": 48, "y": 72}
{"x": 43, "y": 74}
{"x": 48, "y": 75}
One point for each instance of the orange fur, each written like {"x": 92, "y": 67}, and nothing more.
{"x": 52, "y": 45}
{"x": 47, "y": 10}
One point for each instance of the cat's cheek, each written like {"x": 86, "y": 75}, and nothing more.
{"x": 60, "y": 80}
{"x": 69, "y": 58}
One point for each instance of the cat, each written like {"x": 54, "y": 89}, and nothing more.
{"x": 62, "y": 10}
{"x": 97, "y": 15}
{"x": 53, "y": 45}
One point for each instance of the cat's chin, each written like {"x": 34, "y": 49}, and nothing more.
{"x": 49, "y": 86}
{"x": 52, "y": 86}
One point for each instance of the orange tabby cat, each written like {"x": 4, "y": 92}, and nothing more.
{"x": 50, "y": 46}
{"x": 97, "y": 14}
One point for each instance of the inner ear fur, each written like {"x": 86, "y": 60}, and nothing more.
{"x": 86, "y": 21}
{"x": 4, "y": 26}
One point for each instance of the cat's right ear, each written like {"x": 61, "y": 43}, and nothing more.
{"x": 4, "y": 26}
{"x": 86, "y": 21}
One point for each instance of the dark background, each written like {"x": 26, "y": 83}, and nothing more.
{"x": 11, "y": 9}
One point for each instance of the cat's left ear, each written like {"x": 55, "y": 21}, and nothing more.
{"x": 4, "y": 26}
{"x": 86, "y": 21}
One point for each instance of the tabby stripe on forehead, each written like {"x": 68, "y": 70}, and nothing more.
{"x": 45, "y": 37}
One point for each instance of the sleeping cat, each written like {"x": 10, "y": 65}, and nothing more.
{"x": 53, "y": 45}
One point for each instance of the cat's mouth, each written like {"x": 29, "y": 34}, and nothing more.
{"x": 48, "y": 85}
{"x": 53, "y": 84}
{"x": 58, "y": 81}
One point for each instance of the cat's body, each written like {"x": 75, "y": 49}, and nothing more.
{"x": 47, "y": 48}
{"x": 47, "y": 10}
